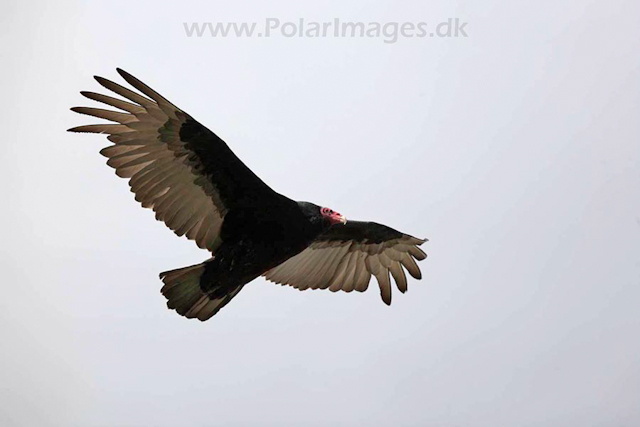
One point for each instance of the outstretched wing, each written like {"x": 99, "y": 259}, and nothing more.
{"x": 345, "y": 257}
{"x": 175, "y": 166}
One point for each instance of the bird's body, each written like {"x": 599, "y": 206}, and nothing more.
{"x": 199, "y": 188}
{"x": 256, "y": 240}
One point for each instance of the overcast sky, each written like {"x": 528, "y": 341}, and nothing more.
{"x": 515, "y": 150}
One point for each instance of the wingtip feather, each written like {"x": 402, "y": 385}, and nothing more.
{"x": 122, "y": 72}
{"x": 77, "y": 129}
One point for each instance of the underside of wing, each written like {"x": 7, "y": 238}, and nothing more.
{"x": 175, "y": 166}
{"x": 347, "y": 256}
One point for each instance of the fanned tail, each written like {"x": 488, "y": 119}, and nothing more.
{"x": 184, "y": 295}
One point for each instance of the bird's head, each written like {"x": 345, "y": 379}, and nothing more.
{"x": 323, "y": 217}
{"x": 332, "y": 216}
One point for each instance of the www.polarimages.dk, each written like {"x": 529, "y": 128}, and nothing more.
{"x": 390, "y": 32}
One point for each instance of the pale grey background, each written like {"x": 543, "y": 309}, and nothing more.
{"x": 516, "y": 151}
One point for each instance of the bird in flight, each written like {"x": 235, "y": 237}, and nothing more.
{"x": 198, "y": 187}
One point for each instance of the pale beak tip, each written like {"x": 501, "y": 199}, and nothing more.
{"x": 343, "y": 220}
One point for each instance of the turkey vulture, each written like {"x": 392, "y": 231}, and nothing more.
{"x": 199, "y": 188}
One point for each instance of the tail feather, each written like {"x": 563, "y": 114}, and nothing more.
{"x": 184, "y": 295}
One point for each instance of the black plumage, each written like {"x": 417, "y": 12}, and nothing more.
{"x": 199, "y": 188}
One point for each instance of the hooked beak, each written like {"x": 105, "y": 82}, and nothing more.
{"x": 336, "y": 218}
{"x": 333, "y": 217}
